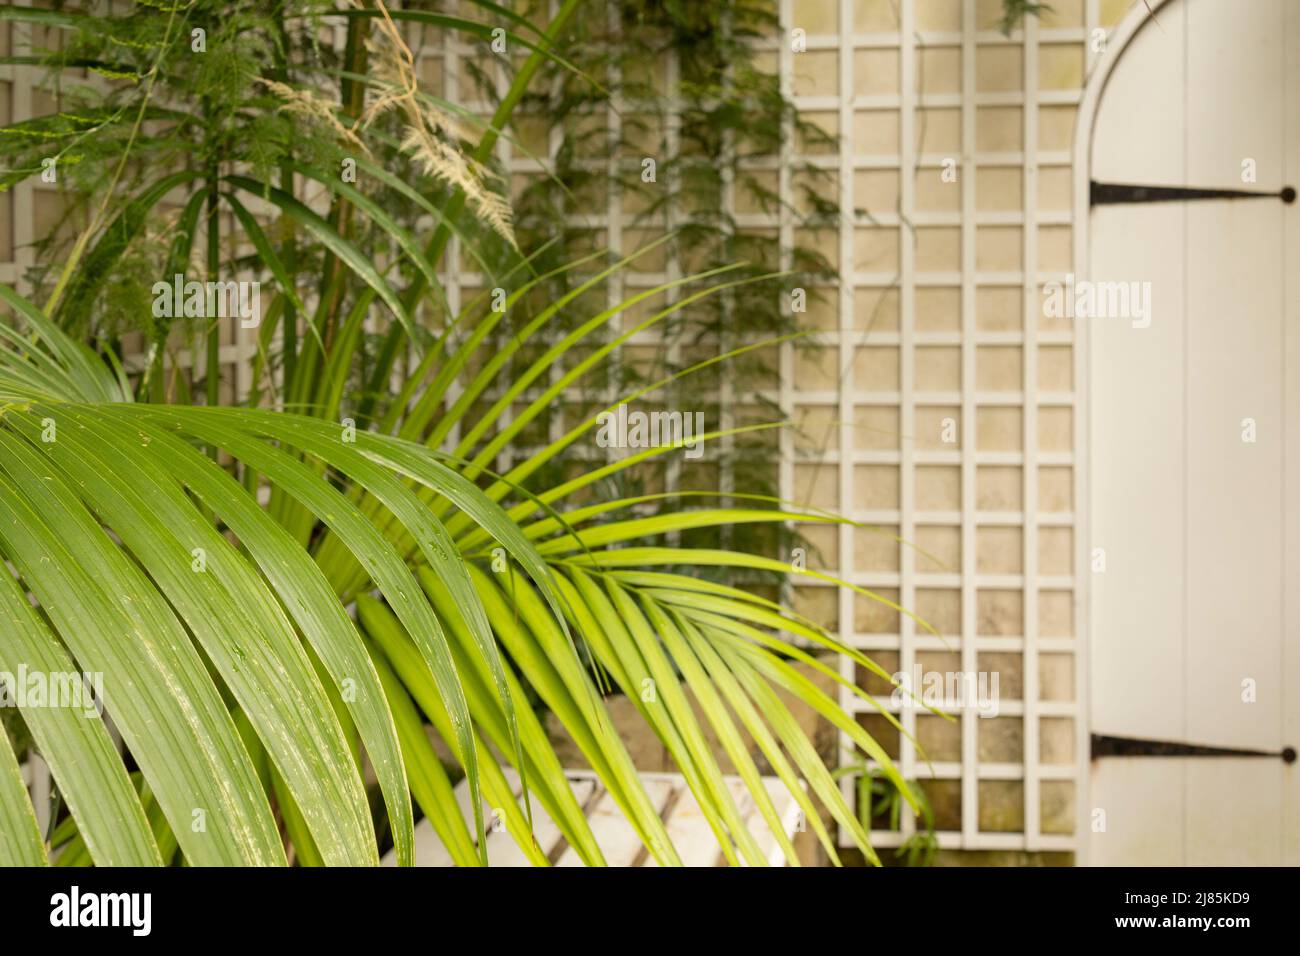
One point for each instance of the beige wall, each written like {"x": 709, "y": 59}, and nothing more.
{"x": 938, "y": 318}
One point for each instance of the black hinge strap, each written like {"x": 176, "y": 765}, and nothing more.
{"x": 1104, "y": 745}
{"x": 1106, "y": 194}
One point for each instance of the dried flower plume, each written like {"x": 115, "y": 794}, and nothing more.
{"x": 431, "y": 134}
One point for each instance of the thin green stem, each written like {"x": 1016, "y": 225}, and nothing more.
{"x": 438, "y": 243}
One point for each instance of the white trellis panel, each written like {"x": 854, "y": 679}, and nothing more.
{"x": 953, "y": 174}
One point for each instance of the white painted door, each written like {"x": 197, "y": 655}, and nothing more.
{"x": 1194, "y": 437}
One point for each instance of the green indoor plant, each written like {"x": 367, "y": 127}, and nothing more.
{"x": 275, "y": 589}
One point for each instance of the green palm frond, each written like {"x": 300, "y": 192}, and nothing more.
{"x": 106, "y": 517}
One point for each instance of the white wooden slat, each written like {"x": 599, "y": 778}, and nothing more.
{"x": 1250, "y": 835}
{"x": 1290, "y": 650}
{"x": 694, "y": 839}
{"x": 849, "y": 338}
{"x": 615, "y": 836}
{"x": 502, "y": 848}
{"x": 1133, "y": 833}
{"x": 907, "y": 417}
{"x": 690, "y": 832}
{"x": 1138, "y": 436}
{"x": 1236, "y": 256}
{"x": 429, "y": 850}
{"x": 1137, "y": 652}
{"x": 1235, "y": 260}
{"x": 687, "y": 827}
{"x": 787, "y": 811}
{"x": 1029, "y": 425}
{"x": 466, "y": 808}
{"x": 968, "y": 582}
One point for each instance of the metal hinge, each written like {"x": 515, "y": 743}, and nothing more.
{"x": 1104, "y": 745}
{"x": 1107, "y": 194}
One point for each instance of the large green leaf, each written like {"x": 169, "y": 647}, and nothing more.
{"x": 20, "y": 838}
{"x": 311, "y": 602}
{"x": 115, "y": 622}
{"x": 236, "y": 619}
{"x": 75, "y": 743}
{"x": 218, "y": 427}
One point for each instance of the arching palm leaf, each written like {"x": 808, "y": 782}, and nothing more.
{"x": 130, "y": 578}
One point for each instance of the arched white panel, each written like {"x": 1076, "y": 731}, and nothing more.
{"x": 1193, "y": 422}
